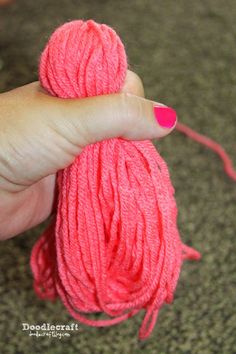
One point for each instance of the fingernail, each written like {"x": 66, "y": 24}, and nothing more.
{"x": 165, "y": 116}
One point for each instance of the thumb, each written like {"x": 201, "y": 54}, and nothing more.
{"x": 122, "y": 115}
{"x": 52, "y": 131}
{"x": 127, "y": 115}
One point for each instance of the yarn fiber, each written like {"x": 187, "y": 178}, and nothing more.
{"x": 114, "y": 246}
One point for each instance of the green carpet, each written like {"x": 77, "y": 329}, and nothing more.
{"x": 185, "y": 52}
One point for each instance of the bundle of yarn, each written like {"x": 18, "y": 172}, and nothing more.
{"x": 113, "y": 247}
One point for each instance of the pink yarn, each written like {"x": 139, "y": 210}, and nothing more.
{"x": 114, "y": 246}
{"x": 212, "y": 145}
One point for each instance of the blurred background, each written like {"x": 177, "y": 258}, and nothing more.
{"x": 185, "y": 53}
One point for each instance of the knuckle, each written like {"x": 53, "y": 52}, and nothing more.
{"x": 123, "y": 103}
{"x": 132, "y": 109}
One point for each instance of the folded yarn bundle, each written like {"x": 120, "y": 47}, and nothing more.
{"x": 114, "y": 245}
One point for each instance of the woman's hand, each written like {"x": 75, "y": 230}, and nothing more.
{"x": 41, "y": 134}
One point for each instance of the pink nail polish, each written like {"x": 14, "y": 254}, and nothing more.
{"x": 165, "y": 116}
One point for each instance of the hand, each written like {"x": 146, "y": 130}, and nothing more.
{"x": 41, "y": 134}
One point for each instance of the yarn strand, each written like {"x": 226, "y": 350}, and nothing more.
{"x": 211, "y": 144}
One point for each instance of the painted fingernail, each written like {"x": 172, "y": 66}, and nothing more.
{"x": 165, "y": 116}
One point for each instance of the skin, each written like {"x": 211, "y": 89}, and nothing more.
{"x": 41, "y": 134}
{"x": 5, "y": 2}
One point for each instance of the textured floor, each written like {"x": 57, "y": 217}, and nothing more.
{"x": 185, "y": 51}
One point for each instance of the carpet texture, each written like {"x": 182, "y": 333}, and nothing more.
{"x": 185, "y": 53}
